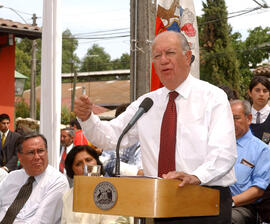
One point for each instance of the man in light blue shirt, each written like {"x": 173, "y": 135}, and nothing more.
{"x": 251, "y": 168}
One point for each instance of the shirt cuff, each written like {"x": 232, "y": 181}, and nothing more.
{"x": 128, "y": 170}
{"x": 6, "y": 169}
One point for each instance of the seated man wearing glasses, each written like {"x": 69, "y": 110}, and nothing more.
{"x": 34, "y": 193}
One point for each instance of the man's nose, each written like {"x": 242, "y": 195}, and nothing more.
{"x": 164, "y": 58}
{"x": 36, "y": 155}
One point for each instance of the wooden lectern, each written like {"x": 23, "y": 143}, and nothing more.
{"x": 146, "y": 197}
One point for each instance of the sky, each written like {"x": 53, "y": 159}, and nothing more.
{"x": 112, "y": 18}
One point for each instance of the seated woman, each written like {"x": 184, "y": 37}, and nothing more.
{"x": 74, "y": 165}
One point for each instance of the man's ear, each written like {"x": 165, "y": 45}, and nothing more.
{"x": 249, "y": 117}
{"x": 188, "y": 55}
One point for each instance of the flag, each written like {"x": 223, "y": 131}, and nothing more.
{"x": 179, "y": 16}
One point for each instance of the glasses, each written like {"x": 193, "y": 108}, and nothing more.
{"x": 32, "y": 153}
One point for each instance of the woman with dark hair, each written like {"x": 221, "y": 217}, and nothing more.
{"x": 259, "y": 89}
{"x": 76, "y": 159}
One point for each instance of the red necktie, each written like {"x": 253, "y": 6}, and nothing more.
{"x": 166, "y": 160}
{"x": 62, "y": 162}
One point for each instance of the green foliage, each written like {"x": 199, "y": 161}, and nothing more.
{"x": 122, "y": 63}
{"x": 219, "y": 64}
{"x": 250, "y": 53}
{"x": 23, "y": 58}
{"x": 70, "y": 60}
{"x": 96, "y": 59}
{"x": 254, "y": 49}
{"x": 257, "y": 45}
{"x": 38, "y": 110}
{"x": 23, "y": 65}
{"x": 65, "y": 115}
{"x": 22, "y": 109}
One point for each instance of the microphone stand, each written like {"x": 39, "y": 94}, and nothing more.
{"x": 143, "y": 108}
{"x": 117, "y": 160}
{"x": 137, "y": 220}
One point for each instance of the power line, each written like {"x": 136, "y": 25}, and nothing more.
{"x": 240, "y": 13}
{"x": 102, "y": 31}
{"x": 261, "y": 5}
{"x": 97, "y": 37}
{"x": 18, "y": 13}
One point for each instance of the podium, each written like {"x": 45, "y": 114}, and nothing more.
{"x": 143, "y": 197}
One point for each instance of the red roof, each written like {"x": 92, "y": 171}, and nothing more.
{"x": 102, "y": 93}
{"x": 19, "y": 29}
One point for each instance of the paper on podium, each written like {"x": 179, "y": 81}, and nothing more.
{"x": 143, "y": 197}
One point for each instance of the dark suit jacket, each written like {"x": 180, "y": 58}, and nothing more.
{"x": 8, "y": 154}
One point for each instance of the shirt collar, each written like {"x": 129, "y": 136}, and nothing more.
{"x": 242, "y": 141}
{"x": 183, "y": 89}
{"x": 69, "y": 148}
{"x": 6, "y": 133}
{"x": 265, "y": 109}
{"x": 39, "y": 177}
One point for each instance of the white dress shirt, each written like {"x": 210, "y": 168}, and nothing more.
{"x": 205, "y": 145}
{"x": 264, "y": 112}
{"x": 45, "y": 202}
{"x": 3, "y": 174}
{"x": 6, "y": 133}
{"x": 68, "y": 150}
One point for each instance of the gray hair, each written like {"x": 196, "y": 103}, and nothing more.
{"x": 245, "y": 105}
{"x": 182, "y": 39}
{"x": 70, "y": 131}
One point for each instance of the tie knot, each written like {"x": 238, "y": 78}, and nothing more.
{"x": 31, "y": 179}
{"x": 173, "y": 95}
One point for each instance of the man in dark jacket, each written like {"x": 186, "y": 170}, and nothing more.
{"x": 8, "y": 154}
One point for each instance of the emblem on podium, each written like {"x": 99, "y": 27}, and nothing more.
{"x": 105, "y": 195}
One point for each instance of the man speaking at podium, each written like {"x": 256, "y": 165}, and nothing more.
{"x": 188, "y": 133}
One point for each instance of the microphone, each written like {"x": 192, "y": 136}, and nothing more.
{"x": 145, "y": 105}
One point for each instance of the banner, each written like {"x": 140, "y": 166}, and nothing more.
{"x": 179, "y": 16}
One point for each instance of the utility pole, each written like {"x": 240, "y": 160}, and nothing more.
{"x": 142, "y": 32}
{"x": 33, "y": 75}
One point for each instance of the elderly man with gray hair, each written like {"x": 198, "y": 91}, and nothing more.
{"x": 251, "y": 168}
{"x": 67, "y": 136}
{"x": 187, "y": 134}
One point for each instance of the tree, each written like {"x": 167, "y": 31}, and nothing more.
{"x": 23, "y": 57}
{"x": 258, "y": 45}
{"x": 70, "y": 60}
{"x": 251, "y": 52}
{"x": 96, "y": 59}
{"x": 219, "y": 64}
{"x": 122, "y": 63}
